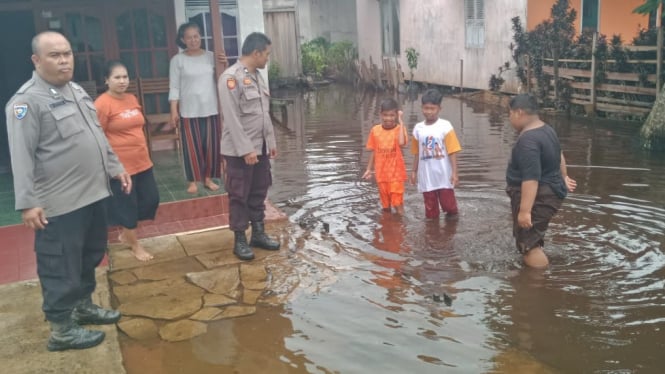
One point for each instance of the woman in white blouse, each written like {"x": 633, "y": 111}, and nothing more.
{"x": 193, "y": 102}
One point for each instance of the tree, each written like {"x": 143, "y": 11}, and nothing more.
{"x": 653, "y": 130}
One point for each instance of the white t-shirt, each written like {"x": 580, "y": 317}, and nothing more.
{"x": 192, "y": 83}
{"x": 433, "y": 144}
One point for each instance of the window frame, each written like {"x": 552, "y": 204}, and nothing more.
{"x": 194, "y": 8}
{"x": 474, "y": 23}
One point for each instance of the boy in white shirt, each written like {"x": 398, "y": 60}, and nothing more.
{"x": 435, "y": 148}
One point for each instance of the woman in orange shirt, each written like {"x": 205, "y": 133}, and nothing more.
{"x": 121, "y": 118}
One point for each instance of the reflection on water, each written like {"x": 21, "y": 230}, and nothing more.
{"x": 369, "y": 284}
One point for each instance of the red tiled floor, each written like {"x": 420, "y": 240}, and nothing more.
{"x": 8, "y": 270}
{"x": 17, "y": 257}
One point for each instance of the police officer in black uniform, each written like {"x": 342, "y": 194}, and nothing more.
{"x": 248, "y": 143}
{"x": 61, "y": 163}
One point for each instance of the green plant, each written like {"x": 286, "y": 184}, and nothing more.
{"x": 274, "y": 71}
{"x": 314, "y": 56}
{"x": 340, "y": 57}
{"x": 412, "y": 60}
{"x": 496, "y": 80}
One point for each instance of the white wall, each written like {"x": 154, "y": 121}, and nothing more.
{"x": 369, "y": 30}
{"x": 335, "y": 20}
{"x": 436, "y": 29}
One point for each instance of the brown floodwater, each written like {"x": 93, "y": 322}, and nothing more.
{"x": 373, "y": 288}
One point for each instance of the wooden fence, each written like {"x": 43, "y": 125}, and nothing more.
{"x": 624, "y": 93}
{"x": 390, "y": 76}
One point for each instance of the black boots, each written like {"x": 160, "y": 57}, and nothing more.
{"x": 87, "y": 313}
{"x": 260, "y": 239}
{"x": 241, "y": 249}
{"x": 68, "y": 335}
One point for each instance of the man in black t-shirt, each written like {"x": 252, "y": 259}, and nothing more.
{"x": 537, "y": 179}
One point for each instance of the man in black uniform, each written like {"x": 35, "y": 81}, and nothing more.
{"x": 248, "y": 143}
{"x": 61, "y": 163}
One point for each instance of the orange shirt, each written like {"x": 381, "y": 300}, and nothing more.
{"x": 388, "y": 159}
{"x": 122, "y": 121}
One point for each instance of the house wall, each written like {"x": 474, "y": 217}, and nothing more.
{"x": 436, "y": 29}
{"x": 334, "y": 20}
{"x": 369, "y": 30}
{"x": 616, "y": 16}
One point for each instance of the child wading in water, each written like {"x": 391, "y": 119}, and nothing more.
{"x": 435, "y": 148}
{"x": 387, "y": 160}
{"x": 537, "y": 179}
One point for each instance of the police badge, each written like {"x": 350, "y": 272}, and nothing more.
{"x": 20, "y": 110}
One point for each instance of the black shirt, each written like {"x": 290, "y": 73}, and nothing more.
{"x": 537, "y": 156}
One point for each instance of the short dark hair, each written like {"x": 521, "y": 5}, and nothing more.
{"x": 112, "y": 64}
{"x": 527, "y": 102}
{"x": 389, "y": 104}
{"x": 35, "y": 43}
{"x": 432, "y": 96}
{"x": 181, "y": 33}
{"x": 256, "y": 41}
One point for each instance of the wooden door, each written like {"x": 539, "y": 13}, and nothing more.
{"x": 281, "y": 28}
{"x": 144, "y": 40}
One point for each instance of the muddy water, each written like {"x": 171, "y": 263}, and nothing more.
{"x": 372, "y": 285}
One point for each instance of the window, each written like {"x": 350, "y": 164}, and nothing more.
{"x": 198, "y": 11}
{"x": 590, "y": 15}
{"x": 390, "y": 27}
{"x": 475, "y": 23}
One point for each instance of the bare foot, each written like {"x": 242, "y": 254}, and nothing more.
{"x": 209, "y": 184}
{"x": 141, "y": 254}
{"x": 121, "y": 238}
{"x": 192, "y": 189}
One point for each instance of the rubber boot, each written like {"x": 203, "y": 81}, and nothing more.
{"x": 240, "y": 247}
{"x": 87, "y": 313}
{"x": 260, "y": 239}
{"x": 68, "y": 335}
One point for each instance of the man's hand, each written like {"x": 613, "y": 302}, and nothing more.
{"x": 251, "y": 158}
{"x": 414, "y": 178}
{"x": 367, "y": 175}
{"x": 524, "y": 220}
{"x": 273, "y": 153}
{"x": 571, "y": 184}
{"x": 34, "y": 218}
{"x": 126, "y": 181}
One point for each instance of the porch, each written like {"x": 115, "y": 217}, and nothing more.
{"x": 178, "y": 212}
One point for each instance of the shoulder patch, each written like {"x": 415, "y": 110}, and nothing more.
{"x": 20, "y": 110}
{"x": 231, "y": 83}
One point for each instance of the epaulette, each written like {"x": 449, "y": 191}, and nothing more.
{"x": 25, "y": 86}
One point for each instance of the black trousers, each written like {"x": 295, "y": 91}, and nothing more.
{"x": 68, "y": 251}
{"x": 247, "y": 187}
{"x": 140, "y": 204}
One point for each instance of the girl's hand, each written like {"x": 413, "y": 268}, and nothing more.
{"x": 414, "y": 178}
{"x": 367, "y": 175}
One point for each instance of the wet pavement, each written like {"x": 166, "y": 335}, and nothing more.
{"x": 357, "y": 290}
